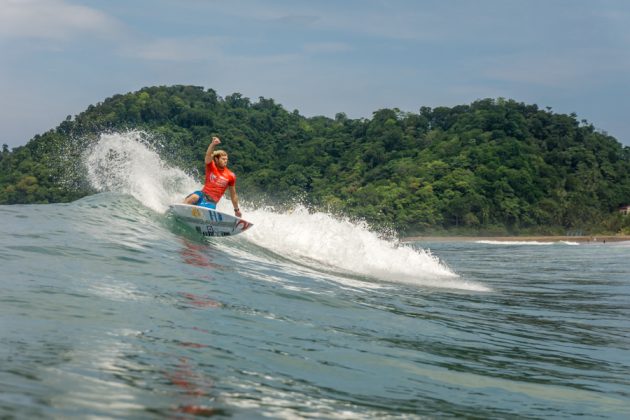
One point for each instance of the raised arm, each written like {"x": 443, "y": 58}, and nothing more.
{"x": 211, "y": 146}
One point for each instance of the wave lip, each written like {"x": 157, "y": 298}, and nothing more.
{"x": 125, "y": 163}
{"x": 316, "y": 237}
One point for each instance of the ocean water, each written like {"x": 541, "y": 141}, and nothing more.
{"x": 109, "y": 308}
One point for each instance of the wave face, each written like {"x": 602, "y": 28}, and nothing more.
{"x": 110, "y": 308}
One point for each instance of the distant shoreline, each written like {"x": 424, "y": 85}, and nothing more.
{"x": 590, "y": 238}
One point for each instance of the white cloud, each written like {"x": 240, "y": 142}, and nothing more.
{"x": 176, "y": 49}
{"x": 52, "y": 19}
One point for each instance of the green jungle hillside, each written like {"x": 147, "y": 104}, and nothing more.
{"x": 494, "y": 166}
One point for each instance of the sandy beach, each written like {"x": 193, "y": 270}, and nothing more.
{"x": 593, "y": 238}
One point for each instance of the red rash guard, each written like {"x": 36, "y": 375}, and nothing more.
{"x": 217, "y": 181}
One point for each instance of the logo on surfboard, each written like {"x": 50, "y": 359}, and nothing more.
{"x": 246, "y": 225}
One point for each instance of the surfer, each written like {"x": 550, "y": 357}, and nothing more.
{"x": 218, "y": 179}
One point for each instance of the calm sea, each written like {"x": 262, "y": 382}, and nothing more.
{"x": 109, "y": 308}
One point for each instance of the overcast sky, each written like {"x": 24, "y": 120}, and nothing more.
{"x": 319, "y": 57}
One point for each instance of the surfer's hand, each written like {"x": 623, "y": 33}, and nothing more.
{"x": 237, "y": 212}
{"x": 216, "y": 140}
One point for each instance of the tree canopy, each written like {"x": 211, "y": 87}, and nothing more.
{"x": 494, "y": 165}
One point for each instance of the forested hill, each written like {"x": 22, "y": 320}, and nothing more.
{"x": 494, "y": 165}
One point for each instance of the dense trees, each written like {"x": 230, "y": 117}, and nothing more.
{"x": 493, "y": 165}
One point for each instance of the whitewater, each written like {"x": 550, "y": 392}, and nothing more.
{"x": 111, "y": 308}
{"x": 126, "y": 164}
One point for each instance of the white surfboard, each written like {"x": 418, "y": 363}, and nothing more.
{"x": 209, "y": 222}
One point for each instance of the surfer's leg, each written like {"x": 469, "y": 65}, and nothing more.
{"x": 193, "y": 198}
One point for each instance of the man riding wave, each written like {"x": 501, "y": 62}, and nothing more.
{"x": 218, "y": 179}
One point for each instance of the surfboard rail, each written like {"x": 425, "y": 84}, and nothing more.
{"x": 209, "y": 222}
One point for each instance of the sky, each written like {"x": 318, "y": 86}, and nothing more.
{"x": 320, "y": 57}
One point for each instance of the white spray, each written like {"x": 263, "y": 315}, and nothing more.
{"x": 124, "y": 163}
{"x": 342, "y": 244}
